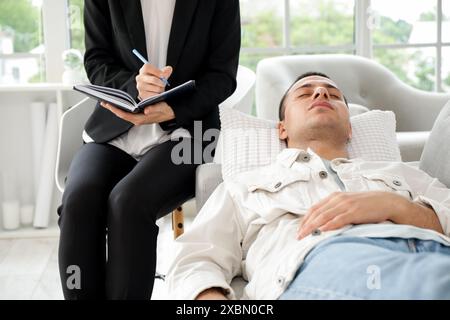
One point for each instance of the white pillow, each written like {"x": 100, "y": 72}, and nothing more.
{"x": 247, "y": 142}
{"x": 356, "y": 109}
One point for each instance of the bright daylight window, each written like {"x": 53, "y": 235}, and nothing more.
{"x": 271, "y": 28}
{"x": 76, "y": 25}
{"x": 406, "y": 41}
{"x": 21, "y": 42}
{"x": 409, "y": 36}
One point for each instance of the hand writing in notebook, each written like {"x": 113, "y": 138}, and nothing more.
{"x": 157, "y": 113}
{"x": 149, "y": 81}
{"x": 148, "y": 84}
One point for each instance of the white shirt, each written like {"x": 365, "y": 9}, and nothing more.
{"x": 158, "y": 16}
{"x": 248, "y": 226}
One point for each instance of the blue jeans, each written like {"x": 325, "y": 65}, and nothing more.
{"x": 345, "y": 267}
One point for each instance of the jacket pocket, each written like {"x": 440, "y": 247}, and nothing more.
{"x": 386, "y": 182}
{"x": 277, "y": 183}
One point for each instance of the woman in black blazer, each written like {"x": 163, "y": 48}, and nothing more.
{"x": 124, "y": 178}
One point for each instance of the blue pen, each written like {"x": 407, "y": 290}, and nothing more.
{"x": 145, "y": 61}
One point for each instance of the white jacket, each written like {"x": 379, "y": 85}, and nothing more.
{"x": 248, "y": 226}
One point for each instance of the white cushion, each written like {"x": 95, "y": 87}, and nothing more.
{"x": 356, "y": 109}
{"x": 248, "y": 142}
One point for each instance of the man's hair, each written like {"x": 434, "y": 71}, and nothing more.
{"x": 282, "y": 108}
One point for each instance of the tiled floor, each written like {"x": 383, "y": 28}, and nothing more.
{"x": 29, "y": 267}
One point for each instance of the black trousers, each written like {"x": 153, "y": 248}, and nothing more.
{"x": 109, "y": 193}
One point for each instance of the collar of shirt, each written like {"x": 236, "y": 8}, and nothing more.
{"x": 289, "y": 156}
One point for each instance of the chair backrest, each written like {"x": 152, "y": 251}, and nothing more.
{"x": 243, "y": 96}
{"x": 363, "y": 82}
{"x": 70, "y": 137}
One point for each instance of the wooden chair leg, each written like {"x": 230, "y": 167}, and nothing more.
{"x": 178, "y": 222}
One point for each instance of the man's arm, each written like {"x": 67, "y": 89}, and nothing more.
{"x": 430, "y": 208}
{"x": 344, "y": 208}
{"x": 208, "y": 255}
{"x": 416, "y": 214}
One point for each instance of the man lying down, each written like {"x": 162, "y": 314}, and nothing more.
{"x": 316, "y": 225}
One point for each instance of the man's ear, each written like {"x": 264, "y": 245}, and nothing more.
{"x": 282, "y": 132}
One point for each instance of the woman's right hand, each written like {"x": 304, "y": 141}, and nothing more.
{"x": 148, "y": 82}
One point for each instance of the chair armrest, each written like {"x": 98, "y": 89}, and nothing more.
{"x": 412, "y": 144}
{"x": 414, "y": 164}
{"x": 208, "y": 177}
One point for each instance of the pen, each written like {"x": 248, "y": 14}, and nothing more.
{"x": 145, "y": 61}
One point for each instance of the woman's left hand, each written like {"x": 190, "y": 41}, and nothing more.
{"x": 157, "y": 113}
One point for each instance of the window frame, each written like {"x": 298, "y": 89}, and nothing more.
{"x": 56, "y": 39}
{"x": 56, "y": 26}
{"x": 363, "y": 44}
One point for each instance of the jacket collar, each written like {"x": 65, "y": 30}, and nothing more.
{"x": 182, "y": 18}
{"x": 289, "y": 156}
{"x": 132, "y": 11}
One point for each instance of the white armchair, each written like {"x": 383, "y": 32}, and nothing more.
{"x": 364, "y": 82}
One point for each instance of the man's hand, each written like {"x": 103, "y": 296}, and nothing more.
{"x": 157, "y": 113}
{"x": 343, "y": 208}
{"x": 212, "y": 294}
{"x": 148, "y": 82}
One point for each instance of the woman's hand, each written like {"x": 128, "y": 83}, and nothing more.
{"x": 157, "y": 113}
{"x": 148, "y": 82}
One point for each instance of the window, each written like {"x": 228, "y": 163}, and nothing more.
{"x": 272, "y": 28}
{"x": 414, "y": 66}
{"x": 407, "y": 40}
{"x": 446, "y": 69}
{"x": 445, "y": 72}
{"x": 405, "y": 21}
{"x": 262, "y": 24}
{"x": 321, "y": 23}
{"x": 408, "y": 36}
{"x": 76, "y": 24}
{"x": 21, "y": 42}
{"x": 446, "y": 21}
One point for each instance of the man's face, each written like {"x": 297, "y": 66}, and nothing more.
{"x": 315, "y": 109}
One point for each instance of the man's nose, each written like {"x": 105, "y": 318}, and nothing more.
{"x": 321, "y": 92}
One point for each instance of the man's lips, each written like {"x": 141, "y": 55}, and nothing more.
{"x": 324, "y": 104}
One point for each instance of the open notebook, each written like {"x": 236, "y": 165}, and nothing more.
{"x": 124, "y": 101}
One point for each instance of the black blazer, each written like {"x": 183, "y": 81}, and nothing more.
{"x": 204, "y": 45}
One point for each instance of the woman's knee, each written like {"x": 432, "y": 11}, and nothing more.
{"x": 128, "y": 207}
{"x": 83, "y": 201}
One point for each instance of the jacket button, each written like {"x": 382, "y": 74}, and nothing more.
{"x": 316, "y": 232}
{"x": 397, "y": 183}
{"x": 278, "y": 185}
{"x": 304, "y": 157}
{"x": 323, "y": 174}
